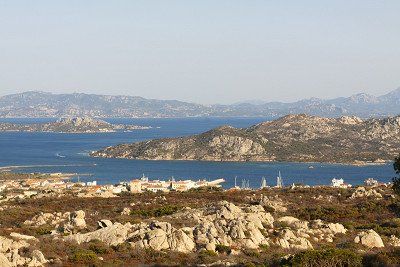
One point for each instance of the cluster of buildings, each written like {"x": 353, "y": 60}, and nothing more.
{"x": 25, "y": 188}
{"x": 144, "y": 184}
{"x": 53, "y": 185}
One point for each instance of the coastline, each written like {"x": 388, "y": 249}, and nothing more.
{"x": 356, "y": 164}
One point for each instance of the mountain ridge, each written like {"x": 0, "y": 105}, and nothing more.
{"x": 45, "y": 104}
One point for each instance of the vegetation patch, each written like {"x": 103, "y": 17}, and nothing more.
{"x": 326, "y": 258}
{"x": 158, "y": 212}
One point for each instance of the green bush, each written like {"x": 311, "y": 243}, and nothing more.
{"x": 43, "y": 231}
{"x": 158, "y": 212}
{"x": 99, "y": 247}
{"x": 223, "y": 249}
{"x": 207, "y": 256}
{"x": 383, "y": 258}
{"x": 326, "y": 213}
{"x": 326, "y": 258}
{"x": 83, "y": 256}
{"x": 396, "y": 180}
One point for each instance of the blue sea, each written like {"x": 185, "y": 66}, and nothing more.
{"x": 61, "y": 152}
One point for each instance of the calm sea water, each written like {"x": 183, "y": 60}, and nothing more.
{"x": 54, "y": 152}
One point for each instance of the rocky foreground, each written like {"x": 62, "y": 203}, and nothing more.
{"x": 297, "y": 138}
{"x": 270, "y": 227}
{"x": 70, "y": 125}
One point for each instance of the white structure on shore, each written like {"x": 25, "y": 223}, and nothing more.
{"x": 371, "y": 182}
{"x": 263, "y": 183}
{"x": 339, "y": 183}
{"x": 279, "y": 181}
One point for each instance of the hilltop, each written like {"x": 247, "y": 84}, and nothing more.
{"x": 297, "y": 138}
{"x": 36, "y": 104}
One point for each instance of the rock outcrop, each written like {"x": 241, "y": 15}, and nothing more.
{"x": 77, "y": 219}
{"x": 276, "y": 203}
{"x": 363, "y": 192}
{"x": 10, "y": 254}
{"x": 220, "y": 224}
{"x": 66, "y": 222}
{"x": 111, "y": 235}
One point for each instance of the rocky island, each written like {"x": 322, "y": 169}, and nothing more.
{"x": 295, "y": 138}
{"x": 70, "y": 125}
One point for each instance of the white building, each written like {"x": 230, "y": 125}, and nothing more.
{"x": 340, "y": 183}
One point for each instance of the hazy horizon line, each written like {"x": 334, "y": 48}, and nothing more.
{"x": 204, "y": 104}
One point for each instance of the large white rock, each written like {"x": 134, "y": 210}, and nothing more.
{"x": 181, "y": 242}
{"x": 112, "y": 235}
{"x": 4, "y": 262}
{"x": 337, "y": 228}
{"x": 157, "y": 239}
{"x": 78, "y": 219}
{"x": 370, "y": 239}
{"x": 293, "y": 222}
{"x": 5, "y": 244}
{"x": 18, "y": 236}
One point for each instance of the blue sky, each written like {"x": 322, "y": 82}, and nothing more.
{"x": 201, "y": 51}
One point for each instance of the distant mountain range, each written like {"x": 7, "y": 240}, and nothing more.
{"x": 37, "y": 104}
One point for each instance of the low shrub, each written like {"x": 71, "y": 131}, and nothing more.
{"x": 223, "y": 249}
{"x": 206, "y": 256}
{"x": 43, "y": 230}
{"x": 326, "y": 258}
{"x": 85, "y": 256}
{"x": 99, "y": 247}
{"x": 383, "y": 258}
{"x": 158, "y": 212}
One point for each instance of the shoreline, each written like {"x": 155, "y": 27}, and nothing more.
{"x": 14, "y": 167}
{"x": 355, "y": 164}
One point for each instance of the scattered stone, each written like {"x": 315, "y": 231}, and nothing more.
{"x": 126, "y": 211}
{"x": 362, "y": 192}
{"x": 276, "y": 203}
{"x": 38, "y": 258}
{"x": 394, "y": 241}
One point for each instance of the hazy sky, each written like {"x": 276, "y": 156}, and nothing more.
{"x": 202, "y": 51}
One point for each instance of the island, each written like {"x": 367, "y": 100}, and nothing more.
{"x": 71, "y": 125}
{"x": 294, "y": 138}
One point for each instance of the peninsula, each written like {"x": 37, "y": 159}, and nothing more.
{"x": 295, "y": 138}
{"x": 70, "y": 125}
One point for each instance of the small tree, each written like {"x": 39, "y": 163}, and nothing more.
{"x": 396, "y": 165}
{"x": 396, "y": 180}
